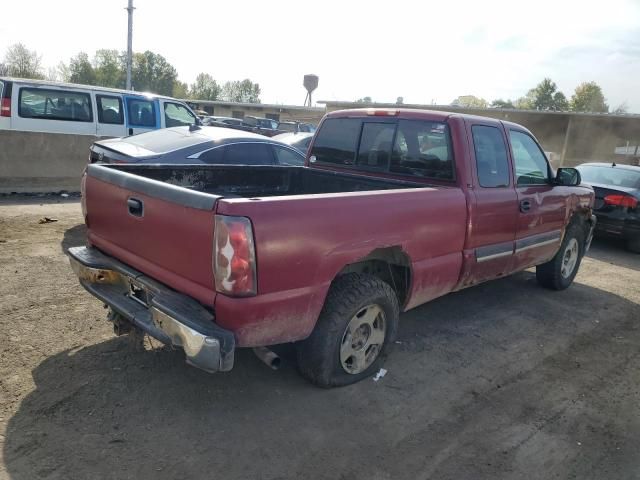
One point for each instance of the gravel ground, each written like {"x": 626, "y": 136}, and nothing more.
{"x": 504, "y": 380}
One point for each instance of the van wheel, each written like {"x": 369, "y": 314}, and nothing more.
{"x": 559, "y": 272}
{"x": 357, "y": 322}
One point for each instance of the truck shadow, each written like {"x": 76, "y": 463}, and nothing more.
{"x": 108, "y": 411}
{"x": 74, "y": 237}
{"x": 612, "y": 250}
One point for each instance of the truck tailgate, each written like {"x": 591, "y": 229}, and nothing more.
{"x": 162, "y": 230}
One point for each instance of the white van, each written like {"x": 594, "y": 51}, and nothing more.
{"x": 50, "y": 107}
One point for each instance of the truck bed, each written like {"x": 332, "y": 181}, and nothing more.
{"x": 258, "y": 181}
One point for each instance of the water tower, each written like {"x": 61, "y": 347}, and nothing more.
{"x": 310, "y": 83}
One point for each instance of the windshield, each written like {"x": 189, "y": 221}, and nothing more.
{"x": 287, "y": 127}
{"x": 618, "y": 177}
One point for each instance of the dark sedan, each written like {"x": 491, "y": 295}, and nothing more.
{"x": 299, "y": 140}
{"x": 617, "y": 189}
{"x": 189, "y": 145}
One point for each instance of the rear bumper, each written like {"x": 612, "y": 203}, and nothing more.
{"x": 614, "y": 226}
{"x": 164, "y": 314}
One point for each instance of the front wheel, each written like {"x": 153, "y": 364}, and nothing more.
{"x": 559, "y": 272}
{"x": 357, "y": 322}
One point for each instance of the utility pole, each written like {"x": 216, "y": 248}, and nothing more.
{"x": 130, "y": 10}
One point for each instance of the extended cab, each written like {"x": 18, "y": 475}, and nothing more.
{"x": 395, "y": 208}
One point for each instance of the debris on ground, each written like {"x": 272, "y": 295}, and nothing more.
{"x": 47, "y": 220}
{"x": 381, "y": 373}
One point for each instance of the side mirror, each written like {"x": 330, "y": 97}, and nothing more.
{"x": 568, "y": 177}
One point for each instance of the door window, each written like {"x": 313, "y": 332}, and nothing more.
{"x": 286, "y": 156}
{"x": 141, "y": 113}
{"x": 110, "y": 110}
{"x": 176, "y": 115}
{"x": 48, "y": 104}
{"x": 248, "y": 154}
{"x": 529, "y": 161}
{"x": 491, "y": 156}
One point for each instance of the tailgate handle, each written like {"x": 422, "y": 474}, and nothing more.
{"x": 136, "y": 207}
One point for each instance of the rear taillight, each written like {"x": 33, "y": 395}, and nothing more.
{"x": 625, "y": 201}
{"x": 234, "y": 258}
{"x": 5, "y": 107}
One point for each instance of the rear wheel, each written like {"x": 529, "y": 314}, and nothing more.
{"x": 559, "y": 272}
{"x": 357, "y": 322}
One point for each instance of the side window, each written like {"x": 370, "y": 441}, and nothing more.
{"x": 337, "y": 140}
{"x": 529, "y": 161}
{"x": 142, "y": 113}
{"x": 375, "y": 145}
{"x": 288, "y": 157}
{"x": 48, "y": 104}
{"x": 176, "y": 115}
{"x": 423, "y": 149}
{"x": 110, "y": 110}
{"x": 213, "y": 156}
{"x": 248, "y": 154}
{"x": 491, "y": 156}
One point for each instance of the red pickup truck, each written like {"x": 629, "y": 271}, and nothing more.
{"x": 394, "y": 208}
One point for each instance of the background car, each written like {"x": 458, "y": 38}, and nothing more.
{"x": 300, "y": 140}
{"x": 264, "y": 126}
{"x": 296, "y": 127}
{"x": 193, "y": 145}
{"x": 617, "y": 189}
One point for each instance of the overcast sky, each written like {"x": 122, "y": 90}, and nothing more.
{"x": 423, "y": 51}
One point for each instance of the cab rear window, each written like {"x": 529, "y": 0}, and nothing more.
{"x": 416, "y": 148}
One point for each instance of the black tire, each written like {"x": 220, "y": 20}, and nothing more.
{"x": 549, "y": 274}
{"x": 319, "y": 355}
{"x": 633, "y": 245}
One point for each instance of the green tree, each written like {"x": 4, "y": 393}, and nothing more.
{"x": 499, "y": 103}
{"x": 180, "y": 89}
{"x": 244, "y": 91}
{"x": 110, "y": 68}
{"x": 588, "y": 97}
{"x": 364, "y": 100}
{"x": 81, "y": 70}
{"x": 469, "y": 101}
{"x": 205, "y": 88}
{"x": 546, "y": 96}
{"x": 22, "y": 62}
{"x": 151, "y": 72}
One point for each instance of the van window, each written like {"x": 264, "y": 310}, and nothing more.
{"x": 176, "y": 115}
{"x": 110, "y": 110}
{"x": 142, "y": 113}
{"x": 48, "y": 104}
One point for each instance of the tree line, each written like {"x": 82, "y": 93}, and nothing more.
{"x": 150, "y": 72}
{"x": 587, "y": 97}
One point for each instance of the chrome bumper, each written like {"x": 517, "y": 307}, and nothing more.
{"x": 173, "y": 318}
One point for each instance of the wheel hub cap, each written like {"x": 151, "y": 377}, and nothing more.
{"x": 570, "y": 258}
{"x": 362, "y": 339}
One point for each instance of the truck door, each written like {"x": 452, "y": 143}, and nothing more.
{"x": 494, "y": 213}
{"x": 142, "y": 114}
{"x": 541, "y": 206}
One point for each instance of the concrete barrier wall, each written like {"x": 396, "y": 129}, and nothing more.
{"x": 42, "y": 162}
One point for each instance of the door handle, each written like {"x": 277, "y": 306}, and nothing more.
{"x": 135, "y": 206}
{"x": 525, "y": 205}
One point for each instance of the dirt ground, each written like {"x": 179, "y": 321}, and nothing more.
{"x": 505, "y": 380}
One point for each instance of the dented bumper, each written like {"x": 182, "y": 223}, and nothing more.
{"x": 172, "y": 318}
